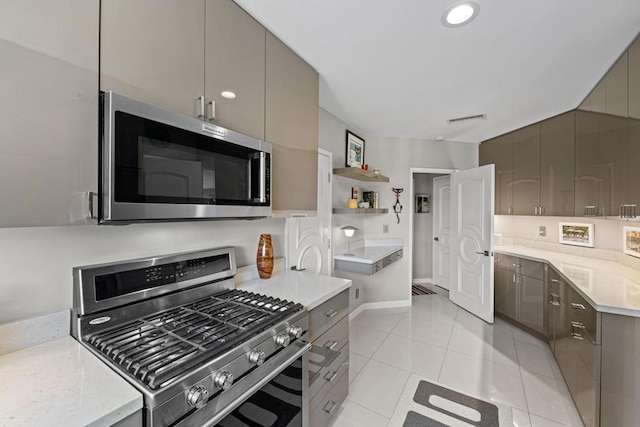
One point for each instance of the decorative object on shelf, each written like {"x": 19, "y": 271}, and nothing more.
{"x": 365, "y": 167}
{"x": 363, "y": 205}
{"x": 631, "y": 241}
{"x": 264, "y": 259}
{"x": 376, "y": 171}
{"x": 577, "y": 234}
{"x": 349, "y": 231}
{"x": 371, "y": 197}
{"x": 397, "y": 207}
{"x": 352, "y": 204}
{"x": 355, "y": 150}
{"x": 422, "y": 203}
{"x": 355, "y": 193}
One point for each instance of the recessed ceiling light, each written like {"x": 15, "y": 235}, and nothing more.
{"x": 460, "y": 14}
{"x": 228, "y": 94}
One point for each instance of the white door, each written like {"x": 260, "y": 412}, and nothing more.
{"x": 441, "y": 230}
{"x": 307, "y": 240}
{"x": 472, "y": 208}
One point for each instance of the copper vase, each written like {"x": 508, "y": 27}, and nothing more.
{"x": 264, "y": 259}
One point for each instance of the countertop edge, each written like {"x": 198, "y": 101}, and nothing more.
{"x": 388, "y": 250}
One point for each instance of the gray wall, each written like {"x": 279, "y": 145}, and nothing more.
{"x": 422, "y": 229}
{"x": 36, "y": 262}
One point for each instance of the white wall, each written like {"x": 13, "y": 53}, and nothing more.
{"x": 422, "y": 229}
{"x": 36, "y": 262}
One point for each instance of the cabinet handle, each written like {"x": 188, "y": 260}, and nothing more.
{"x": 200, "y": 107}
{"x": 509, "y": 211}
{"x": 541, "y": 210}
{"x": 577, "y": 306}
{"x": 575, "y": 327}
{"x": 330, "y": 313}
{"x": 555, "y": 299}
{"x": 535, "y": 210}
{"x": 330, "y": 376}
{"x": 211, "y": 111}
{"x": 554, "y": 280}
{"x": 331, "y": 344}
{"x": 329, "y": 407}
{"x": 516, "y": 265}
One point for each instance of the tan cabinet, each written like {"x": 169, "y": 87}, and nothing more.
{"x": 291, "y": 125}
{"x": 634, "y": 80}
{"x": 174, "y": 52}
{"x": 49, "y": 110}
{"x": 153, "y": 51}
{"x": 235, "y": 61}
{"x": 611, "y": 94}
{"x": 526, "y": 170}
{"x": 499, "y": 151}
{"x": 613, "y": 164}
{"x": 587, "y": 180}
{"x": 557, "y": 148}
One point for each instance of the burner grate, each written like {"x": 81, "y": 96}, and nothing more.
{"x": 162, "y": 346}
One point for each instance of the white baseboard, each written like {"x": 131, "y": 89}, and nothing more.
{"x": 377, "y": 305}
{"x": 422, "y": 280}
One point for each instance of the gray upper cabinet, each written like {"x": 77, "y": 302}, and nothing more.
{"x": 634, "y": 80}
{"x": 526, "y": 170}
{"x": 613, "y": 170}
{"x": 587, "y": 181}
{"x": 49, "y": 112}
{"x": 291, "y": 125}
{"x": 499, "y": 151}
{"x": 235, "y": 61}
{"x": 557, "y": 136}
{"x": 153, "y": 51}
{"x": 611, "y": 94}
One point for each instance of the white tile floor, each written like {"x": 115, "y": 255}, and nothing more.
{"x": 437, "y": 340}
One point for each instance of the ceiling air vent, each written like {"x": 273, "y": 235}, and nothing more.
{"x": 467, "y": 119}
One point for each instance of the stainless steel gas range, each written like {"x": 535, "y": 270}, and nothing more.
{"x": 201, "y": 352}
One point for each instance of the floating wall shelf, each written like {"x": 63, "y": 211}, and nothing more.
{"x": 359, "y": 211}
{"x": 360, "y": 174}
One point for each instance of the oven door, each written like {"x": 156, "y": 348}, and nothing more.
{"x": 159, "y": 165}
{"x": 275, "y": 394}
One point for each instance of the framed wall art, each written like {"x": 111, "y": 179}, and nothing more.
{"x": 577, "y": 234}
{"x": 631, "y": 241}
{"x": 422, "y": 203}
{"x": 355, "y": 150}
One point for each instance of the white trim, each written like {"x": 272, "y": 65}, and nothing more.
{"x": 412, "y": 208}
{"x": 422, "y": 280}
{"x": 329, "y": 154}
{"x": 378, "y": 305}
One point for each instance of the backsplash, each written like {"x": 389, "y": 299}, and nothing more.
{"x": 37, "y": 262}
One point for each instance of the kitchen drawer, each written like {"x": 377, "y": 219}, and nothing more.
{"x": 328, "y": 314}
{"x": 522, "y": 266}
{"x": 582, "y": 317}
{"x": 554, "y": 279}
{"x": 331, "y": 362}
{"x": 325, "y": 405}
{"x": 327, "y": 349}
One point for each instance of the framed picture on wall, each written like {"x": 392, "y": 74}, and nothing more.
{"x": 355, "y": 150}
{"x": 422, "y": 203}
{"x": 631, "y": 241}
{"x": 577, "y": 234}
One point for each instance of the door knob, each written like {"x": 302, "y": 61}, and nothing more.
{"x": 485, "y": 253}
{"x": 436, "y": 239}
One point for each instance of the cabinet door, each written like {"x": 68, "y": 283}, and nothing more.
{"x": 499, "y": 151}
{"x": 557, "y": 148}
{"x": 597, "y": 99}
{"x": 526, "y": 170}
{"x": 587, "y": 180}
{"x": 634, "y": 80}
{"x": 49, "y": 110}
{"x": 505, "y": 293}
{"x": 531, "y": 302}
{"x": 153, "y": 51}
{"x": 235, "y": 62}
{"x": 291, "y": 125}
{"x": 613, "y": 163}
{"x": 617, "y": 88}
{"x": 633, "y": 159}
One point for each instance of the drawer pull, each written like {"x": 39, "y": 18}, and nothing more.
{"x": 576, "y": 330}
{"x": 330, "y": 376}
{"x": 329, "y": 407}
{"x": 554, "y": 280}
{"x": 577, "y": 306}
{"x": 516, "y": 265}
{"x": 555, "y": 299}
{"x": 331, "y": 344}
{"x": 330, "y": 313}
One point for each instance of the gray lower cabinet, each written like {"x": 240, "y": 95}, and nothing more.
{"x": 328, "y": 359}
{"x": 519, "y": 291}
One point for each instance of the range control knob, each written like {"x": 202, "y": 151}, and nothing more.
{"x": 256, "y": 357}
{"x": 223, "y": 379}
{"x": 295, "y": 331}
{"x": 282, "y": 340}
{"x": 197, "y": 396}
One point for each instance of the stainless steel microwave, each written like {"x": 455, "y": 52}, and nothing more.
{"x": 157, "y": 165}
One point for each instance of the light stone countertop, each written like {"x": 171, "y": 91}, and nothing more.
{"x": 608, "y": 286}
{"x": 303, "y": 287}
{"x": 60, "y": 383}
{"x": 370, "y": 251}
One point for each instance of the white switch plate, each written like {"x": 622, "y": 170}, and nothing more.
{"x": 543, "y": 231}
{"x": 385, "y": 228}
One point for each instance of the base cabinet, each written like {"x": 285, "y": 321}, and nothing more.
{"x": 328, "y": 359}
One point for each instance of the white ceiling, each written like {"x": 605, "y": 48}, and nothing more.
{"x": 390, "y": 68}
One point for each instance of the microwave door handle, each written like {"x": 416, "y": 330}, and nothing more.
{"x": 263, "y": 179}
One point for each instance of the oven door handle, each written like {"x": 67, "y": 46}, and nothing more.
{"x": 305, "y": 347}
